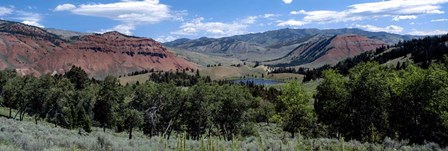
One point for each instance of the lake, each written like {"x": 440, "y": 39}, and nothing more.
{"x": 257, "y": 81}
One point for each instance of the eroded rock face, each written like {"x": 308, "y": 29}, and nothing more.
{"x": 344, "y": 46}
{"x": 328, "y": 49}
{"x": 33, "y": 50}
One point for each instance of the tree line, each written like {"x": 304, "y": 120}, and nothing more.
{"x": 156, "y": 107}
{"x": 372, "y": 103}
{"x": 423, "y": 52}
{"x": 375, "y": 102}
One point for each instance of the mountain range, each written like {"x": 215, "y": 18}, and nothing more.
{"x": 291, "y": 47}
{"x": 36, "y": 51}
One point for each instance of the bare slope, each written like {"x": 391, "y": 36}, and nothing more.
{"x": 33, "y": 50}
{"x": 327, "y": 49}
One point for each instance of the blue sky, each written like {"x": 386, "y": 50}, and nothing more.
{"x": 166, "y": 20}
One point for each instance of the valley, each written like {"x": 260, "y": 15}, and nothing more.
{"x": 283, "y": 89}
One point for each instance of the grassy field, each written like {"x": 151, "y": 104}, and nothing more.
{"x": 133, "y": 79}
{"x": 226, "y": 73}
{"x": 204, "y": 59}
{"x": 25, "y": 135}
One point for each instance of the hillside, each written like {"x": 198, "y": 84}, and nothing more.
{"x": 422, "y": 52}
{"x": 274, "y": 44}
{"x": 204, "y": 59}
{"x": 327, "y": 49}
{"x": 37, "y": 51}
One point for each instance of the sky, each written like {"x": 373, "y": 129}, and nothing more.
{"x": 167, "y": 20}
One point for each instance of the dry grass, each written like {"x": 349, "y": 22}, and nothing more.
{"x": 17, "y": 136}
{"x": 285, "y": 76}
{"x": 133, "y": 79}
{"x": 229, "y": 72}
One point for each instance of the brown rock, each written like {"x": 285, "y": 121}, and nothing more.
{"x": 32, "y": 50}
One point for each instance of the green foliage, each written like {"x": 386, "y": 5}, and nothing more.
{"x": 78, "y": 77}
{"x": 107, "y": 102}
{"x": 11, "y": 93}
{"x": 375, "y": 102}
{"x": 330, "y": 100}
{"x": 132, "y": 118}
{"x": 298, "y": 115}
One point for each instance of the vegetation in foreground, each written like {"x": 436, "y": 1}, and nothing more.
{"x": 26, "y": 135}
{"x": 371, "y": 105}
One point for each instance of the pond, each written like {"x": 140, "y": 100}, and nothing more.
{"x": 257, "y": 81}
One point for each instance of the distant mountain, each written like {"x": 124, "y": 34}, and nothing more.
{"x": 325, "y": 49}
{"x": 65, "y": 33}
{"x": 37, "y": 51}
{"x": 275, "y": 44}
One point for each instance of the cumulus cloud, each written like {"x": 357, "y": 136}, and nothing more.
{"x": 398, "y": 9}
{"x": 64, "y": 7}
{"x": 163, "y": 39}
{"x": 287, "y": 1}
{"x": 124, "y": 29}
{"x": 291, "y": 23}
{"x": 389, "y": 29}
{"x": 406, "y": 17}
{"x": 216, "y": 29}
{"x": 212, "y": 29}
{"x": 297, "y": 12}
{"x": 32, "y": 23}
{"x": 29, "y": 18}
{"x": 24, "y": 17}
{"x": 129, "y": 12}
{"x": 428, "y": 33}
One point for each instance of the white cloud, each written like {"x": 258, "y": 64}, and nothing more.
{"x": 127, "y": 11}
{"x": 212, "y": 29}
{"x": 124, "y": 29}
{"x": 270, "y": 15}
{"x": 249, "y": 20}
{"x": 29, "y": 18}
{"x": 297, "y": 12}
{"x": 163, "y": 39}
{"x": 440, "y": 20}
{"x": 5, "y": 11}
{"x": 32, "y": 23}
{"x": 389, "y": 29}
{"x": 22, "y": 16}
{"x": 385, "y": 8}
{"x": 291, "y": 22}
{"x": 428, "y": 33}
{"x": 287, "y": 1}
{"x": 216, "y": 29}
{"x": 65, "y": 7}
{"x": 253, "y": 19}
{"x": 406, "y": 17}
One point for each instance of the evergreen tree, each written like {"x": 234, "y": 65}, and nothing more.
{"x": 107, "y": 102}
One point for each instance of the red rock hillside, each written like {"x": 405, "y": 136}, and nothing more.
{"x": 344, "y": 46}
{"x": 328, "y": 49}
{"x": 33, "y": 50}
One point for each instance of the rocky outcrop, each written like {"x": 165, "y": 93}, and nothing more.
{"x": 33, "y": 50}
